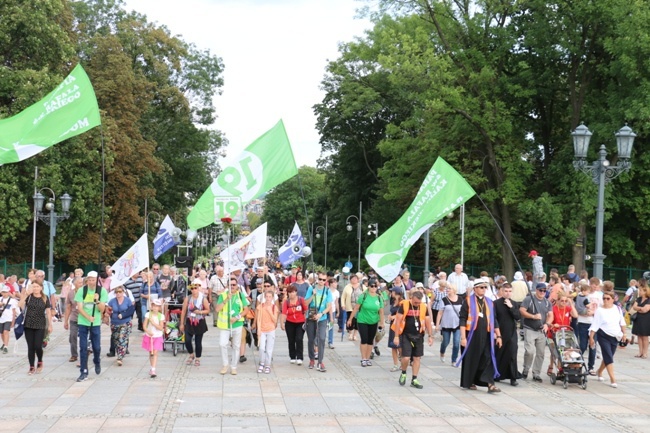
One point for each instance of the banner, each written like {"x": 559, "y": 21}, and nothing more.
{"x": 442, "y": 191}
{"x": 292, "y": 249}
{"x": 163, "y": 240}
{"x": 134, "y": 260}
{"x": 266, "y": 163}
{"x": 252, "y": 246}
{"x": 67, "y": 111}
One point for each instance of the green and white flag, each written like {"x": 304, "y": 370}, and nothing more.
{"x": 442, "y": 191}
{"x": 67, "y": 111}
{"x": 266, "y": 163}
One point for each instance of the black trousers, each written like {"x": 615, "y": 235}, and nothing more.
{"x": 295, "y": 335}
{"x": 34, "y": 339}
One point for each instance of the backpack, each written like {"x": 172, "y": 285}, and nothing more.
{"x": 406, "y": 306}
{"x": 85, "y": 292}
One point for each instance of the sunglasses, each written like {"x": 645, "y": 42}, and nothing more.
{"x": 119, "y": 291}
{"x": 234, "y": 285}
{"x": 480, "y": 287}
{"x": 607, "y": 298}
{"x": 322, "y": 279}
{"x": 194, "y": 288}
{"x": 541, "y": 290}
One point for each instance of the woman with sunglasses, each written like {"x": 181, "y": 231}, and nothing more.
{"x": 609, "y": 326}
{"x": 369, "y": 312}
{"x": 121, "y": 310}
{"x": 195, "y": 308}
{"x": 563, "y": 312}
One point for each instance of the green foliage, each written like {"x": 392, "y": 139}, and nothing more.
{"x": 155, "y": 92}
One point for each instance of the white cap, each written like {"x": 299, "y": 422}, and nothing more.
{"x": 92, "y": 274}
{"x": 157, "y": 301}
{"x": 345, "y": 270}
{"x": 519, "y": 276}
{"x": 419, "y": 285}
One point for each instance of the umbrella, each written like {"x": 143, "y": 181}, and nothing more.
{"x": 345, "y": 321}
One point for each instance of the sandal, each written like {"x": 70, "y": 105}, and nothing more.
{"x": 31, "y": 371}
{"x": 190, "y": 360}
{"x": 267, "y": 370}
{"x": 260, "y": 368}
{"x": 472, "y": 388}
{"x": 197, "y": 362}
{"x": 492, "y": 389}
{"x": 550, "y": 370}
{"x": 39, "y": 367}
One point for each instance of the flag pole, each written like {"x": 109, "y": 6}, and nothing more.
{"x": 35, "y": 218}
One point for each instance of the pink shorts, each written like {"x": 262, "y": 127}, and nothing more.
{"x": 157, "y": 343}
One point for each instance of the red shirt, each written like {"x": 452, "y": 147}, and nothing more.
{"x": 295, "y": 312}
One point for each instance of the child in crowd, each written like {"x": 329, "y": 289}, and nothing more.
{"x": 152, "y": 341}
{"x": 267, "y": 321}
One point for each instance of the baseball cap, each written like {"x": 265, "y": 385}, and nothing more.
{"x": 345, "y": 270}
{"x": 92, "y": 274}
{"x": 419, "y": 285}
{"x": 540, "y": 286}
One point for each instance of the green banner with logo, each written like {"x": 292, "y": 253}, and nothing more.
{"x": 264, "y": 164}
{"x": 67, "y": 111}
{"x": 442, "y": 191}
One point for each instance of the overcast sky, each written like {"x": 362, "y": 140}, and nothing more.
{"x": 274, "y": 52}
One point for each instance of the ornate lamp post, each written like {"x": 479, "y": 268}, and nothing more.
{"x": 601, "y": 172}
{"x": 323, "y": 229}
{"x": 349, "y": 227}
{"x": 51, "y": 218}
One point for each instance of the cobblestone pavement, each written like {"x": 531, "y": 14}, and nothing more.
{"x": 347, "y": 398}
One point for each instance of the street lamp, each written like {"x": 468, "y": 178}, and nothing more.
{"x": 155, "y": 224}
{"x": 601, "y": 172}
{"x": 323, "y": 229}
{"x": 374, "y": 229}
{"x": 349, "y": 227}
{"x": 51, "y": 218}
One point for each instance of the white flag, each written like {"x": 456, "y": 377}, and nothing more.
{"x": 292, "y": 249}
{"x": 252, "y": 246}
{"x": 163, "y": 240}
{"x": 134, "y": 260}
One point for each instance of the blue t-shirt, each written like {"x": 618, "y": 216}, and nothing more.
{"x": 322, "y": 298}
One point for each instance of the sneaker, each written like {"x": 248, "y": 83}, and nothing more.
{"x": 293, "y": 361}
{"x": 537, "y": 379}
{"x": 31, "y": 371}
{"x": 395, "y": 368}
{"x": 299, "y": 362}
{"x": 98, "y": 368}
{"x": 330, "y": 345}
{"x": 377, "y": 352}
{"x": 5, "y": 350}
{"x": 233, "y": 371}
{"x": 152, "y": 373}
{"x": 402, "y": 379}
{"x": 416, "y": 384}
{"x": 311, "y": 364}
{"x": 369, "y": 363}
{"x": 224, "y": 370}
{"x": 82, "y": 377}
{"x": 39, "y": 368}
{"x": 321, "y": 368}
{"x": 364, "y": 363}
{"x": 524, "y": 374}
{"x": 110, "y": 354}
{"x": 442, "y": 359}
{"x": 242, "y": 359}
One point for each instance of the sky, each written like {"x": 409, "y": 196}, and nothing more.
{"x": 274, "y": 52}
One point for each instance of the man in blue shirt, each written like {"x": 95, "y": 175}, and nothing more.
{"x": 319, "y": 300}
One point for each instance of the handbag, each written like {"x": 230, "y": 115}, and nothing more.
{"x": 313, "y": 311}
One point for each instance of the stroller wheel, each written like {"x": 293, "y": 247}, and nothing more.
{"x": 584, "y": 383}
{"x": 565, "y": 385}
{"x": 553, "y": 378}
{"x": 175, "y": 348}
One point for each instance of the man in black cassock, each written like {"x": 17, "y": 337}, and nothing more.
{"x": 507, "y": 314}
{"x": 479, "y": 333}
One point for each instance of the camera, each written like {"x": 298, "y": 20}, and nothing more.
{"x": 585, "y": 302}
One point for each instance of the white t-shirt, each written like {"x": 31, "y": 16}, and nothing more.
{"x": 335, "y": 297}
{"x": 609, "y": 320}
{"x": 155, "y": 318}
{"x": 8, "y": 313}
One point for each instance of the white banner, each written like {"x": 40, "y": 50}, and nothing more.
{"x": 134, "y": 260}
{"x": 252, "y": 246}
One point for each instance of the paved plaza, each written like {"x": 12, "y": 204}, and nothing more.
{"x": 347, "y": 398}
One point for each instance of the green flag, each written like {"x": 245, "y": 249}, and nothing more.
{"x": 442, "y": 191}
{"x": 68, "y": 110}
{"x": 266, "y": 163}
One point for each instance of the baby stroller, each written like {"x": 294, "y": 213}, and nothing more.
{"x": 173, "y": 335}
{"x": 571, "y": 367}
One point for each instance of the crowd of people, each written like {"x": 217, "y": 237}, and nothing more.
{"x": 483, "y": 318}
